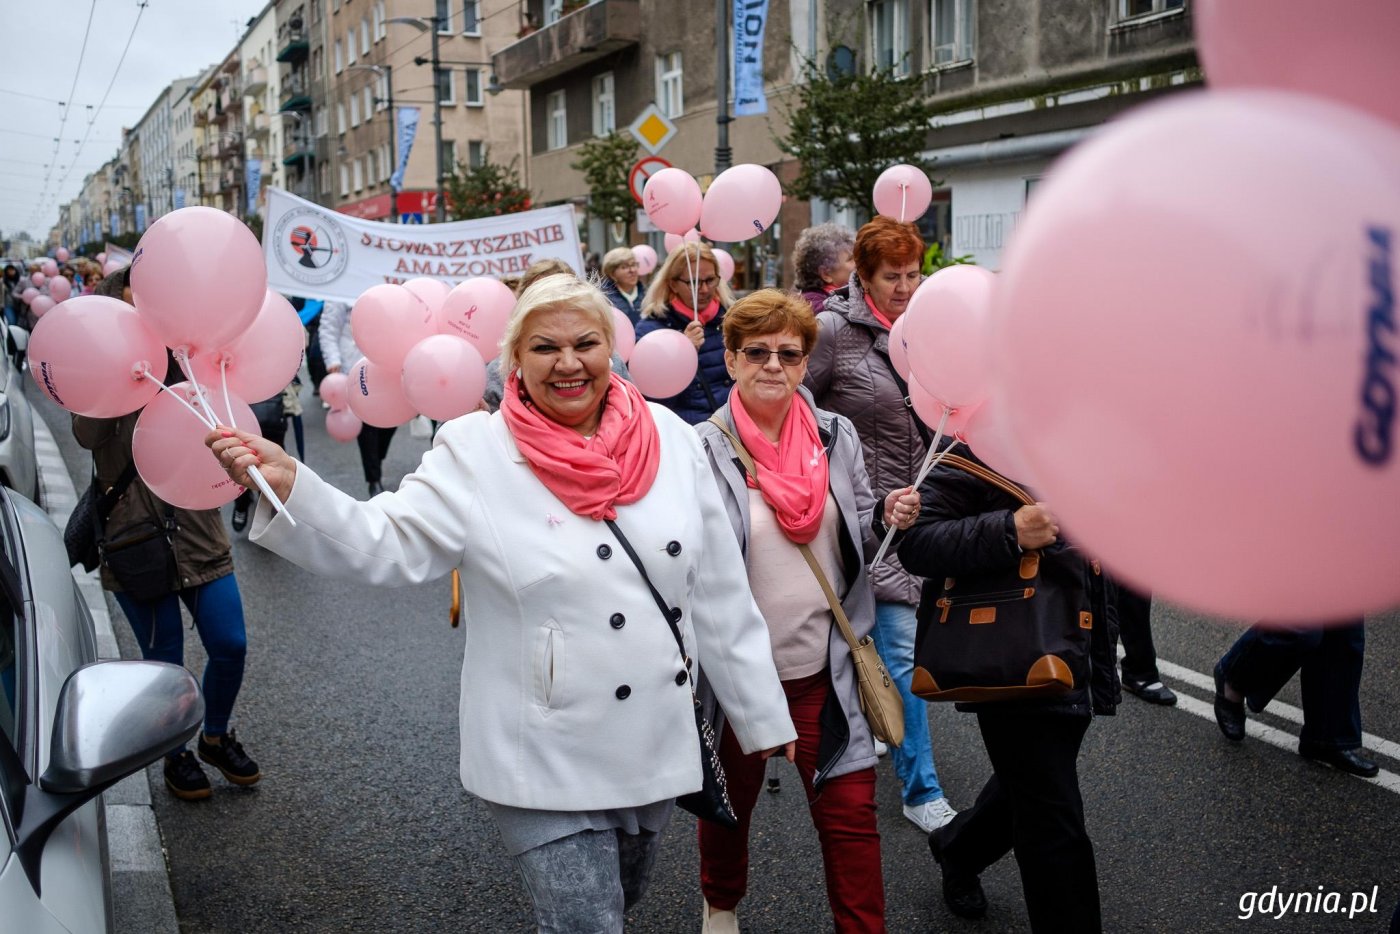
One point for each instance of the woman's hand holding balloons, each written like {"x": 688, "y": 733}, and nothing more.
{"x": 239, "y": 451}
{"x": 1035, "y": 526}
{"x": 901, "y": 508}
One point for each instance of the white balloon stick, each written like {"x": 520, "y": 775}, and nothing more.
{"x": 934, "y": 456}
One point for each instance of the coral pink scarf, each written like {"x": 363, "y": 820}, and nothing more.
{"x": 879, "y": 315}
{"x": 593, "y": 475}
{"x": 707, "y": 314}
{"x": 792, "y": 474}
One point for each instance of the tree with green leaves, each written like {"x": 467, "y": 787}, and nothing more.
{"x": 489, "y": 190}
{"x": 605, "y": 162}
{"x": 845, "y": 130}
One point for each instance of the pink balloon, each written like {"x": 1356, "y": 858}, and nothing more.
{"x": 947, "y": 333}
{"x": 335, "y": 390}
{"x": 387, "y": 321}
{"x": 431, "y": 291}
{"x": 60, "y": 288}
{"x": 50, "y": 268}
{"x": 41, "y": 306}
{"x": 646, "y": 259}
{"x": 903, "y": 193}
{"x": 930, "y": 411}
{"x": 88, "y": 355}
{"x": 624, "y": 335}
{"x": 672, "y": 241}
{"x": 62, "y": 254}
{"x": 37, "y": 279}
{"x": 29, "y": 295}
{"x": 672, "y": 200}
{"x": 741, "y": 203}
{"x": 376, "y": 395}
{"x": 663, "y": 363}
{"x": 1276, "y": 44}
{"x": 1225, "y": 439}
{"x": 100, "y": 258}
{"x": 478, "y": 311}
{"x": 111, "y": 267}
{"x": 990, "y": 436}
{"x": 342, "y": 424}
{"x": 899, "y": 349}
{"x": 263, "y": 359}
{"x": 444, "y": 377}
{"x": 726, "y": 264}
{"x": 198, "y": 277}
{"x": 168, "y": 447}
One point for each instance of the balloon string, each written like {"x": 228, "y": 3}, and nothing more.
{"x": 934, "y": 456}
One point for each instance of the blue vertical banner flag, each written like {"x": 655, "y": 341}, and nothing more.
{"x": 112, "y": 220}
{"x": 408, "y": 129}
{"x": 750, "y": 16}
{"x": 253, "y": 169}
{"x": 140, "y": 218}
{"x": 179, "y": 199}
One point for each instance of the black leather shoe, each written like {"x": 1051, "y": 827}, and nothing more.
{"x": 1229, "y": 715}
{"x": 375, "y": 488}
{"x": 1351, "y": 761}
{"x": 962, "y": 891}
{"x": 1154, "y": 692}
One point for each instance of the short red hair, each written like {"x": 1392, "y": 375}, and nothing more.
{"x": 886, "y": 241}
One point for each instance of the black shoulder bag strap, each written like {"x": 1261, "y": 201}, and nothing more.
{"x": 107, "y": 501}
{"x": 670, "y": 614}
{"x": 904, "y": 391}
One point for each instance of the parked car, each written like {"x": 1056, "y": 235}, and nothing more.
{"x": 19, "y": 467}
{"x": 70, "y": 728}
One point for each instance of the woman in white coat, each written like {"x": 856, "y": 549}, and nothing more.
{"x": 577, "y": 725}
{"x": 339, "y": 351}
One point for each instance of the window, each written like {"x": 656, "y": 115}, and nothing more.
{"x": 369, "y": 102}
{"x": 325, "y": 177}
{"x": 950, "y": 26}
{"x": 350, "y": 55}
{"x": 889, "y": 45}
{"x": 668, "y": 84}
{"x": 339, "y": 117}
{"x": 383, "y": 92}
{"x": 364, "y": 36}
{"x": 372, "y": 174}
{"x": 471, "y": 17}
{"x": 339, "y": 57}
{"x": 321, "y": 122}
{"x": 445, "y": 90}
{"x": 553, "y": 11}
{"x": 1127, "y": 9}
{"x": 354, "y": 110}
{"x": 385, "y": 168}
{"x": 604, "y": 105}
{"x": 556, "y": 121}
{"x": 344, "y": 181}
{"x": 449, "y": 156}
{"x": 474, "y": 98}
{"x": 476, "y": 153}
{"x": 379, "y": 18}
{"x": 359, "y": 173}
{"x": 444, "y": 15}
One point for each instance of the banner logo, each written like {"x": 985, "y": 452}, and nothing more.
{"x": 309, "y": 246}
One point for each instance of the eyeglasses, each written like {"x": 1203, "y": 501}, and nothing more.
{"x": 632, "y": 265}
{"x": 759, "y": 356}
{"x": 708, "y": 282}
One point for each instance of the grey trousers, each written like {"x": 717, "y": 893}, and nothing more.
{"x": 584, "y": 883}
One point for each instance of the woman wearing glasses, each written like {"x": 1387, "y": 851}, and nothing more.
{"x": 622, "y": 282}
{"x": 810, "y": 489}
{"x": 687, "y": 295}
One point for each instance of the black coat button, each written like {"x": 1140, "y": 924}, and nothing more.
{"x": 673, "y": 549}
{"x": 680, "y": 677}
{"x": 604, "y": 552}
{"x": 623, "y": 692}
{"x": 676, "y": 614}
{"x": 617, "y": 620}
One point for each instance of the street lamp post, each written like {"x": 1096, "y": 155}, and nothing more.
{"x": 387, "y": 73}
{"x": 430, "y": 25}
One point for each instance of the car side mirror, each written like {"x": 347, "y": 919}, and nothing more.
{"x": 18, "y": 339}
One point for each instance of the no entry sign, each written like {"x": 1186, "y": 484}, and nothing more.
{"x": 644, "y": 169}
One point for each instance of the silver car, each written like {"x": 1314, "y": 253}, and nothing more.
{"x": 70, "y": 728}
{"x": 19, "y": 468}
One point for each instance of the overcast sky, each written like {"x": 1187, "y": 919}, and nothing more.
{"x": 44, "y": 61}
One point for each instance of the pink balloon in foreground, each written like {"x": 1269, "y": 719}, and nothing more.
{"x": 88, "y": 355}
{"x": 342, "y": 424}
{"x": 646, "y": 258}
{"x": 444, "y": 377}
{"x": 29, "y": 294}
{"x": 168, "y": 447}
{"x": 726, "y": 264}
{"x": 899, "y": 350}
{"x": 60, "y": 288}
{"x": 376, "y": 395}
{"x": 672, "y": 242}
{"x": 903, "y": 193}
{"x": 741, "y": 203}
{"x": 100, "y": 258}
{"x": 930, "y": 411}
{"x": 198, "y": 278}
{"x": 37, "y": 279}
{"x": 624, "y": 335}
{"x": 663, "y": 363}
{"x": 1225, "y": 438}
{"x": 672, "y": 200}
{"x": 990, "y": 436}
{"x": 478, "y": 311}
{"x": 387, "y": 321}
{"x": 50, "y": 267}
{"x": 335, "y": 390}
{"x": 41, "y": 306}
{"x": 1283, "y": 44}
{"x": 62, "y": 254}
{"x": 263, "y": 359}
{"x": 947, "y": 333}
{"x": 431, "y": 291}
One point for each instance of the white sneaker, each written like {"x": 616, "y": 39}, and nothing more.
{"x": 881, "y": 750}
{"x": 930, "y": 815}
{"x": 720, "y": 922}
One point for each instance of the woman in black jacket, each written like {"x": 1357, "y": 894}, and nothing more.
{"x": 1031, "y": 803}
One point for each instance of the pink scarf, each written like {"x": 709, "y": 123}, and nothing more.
{"x": 879, "y": 315}
{"x": 593, "y": 475}
{"x": 792, "y": 474}
{"x": 707, "y": 314}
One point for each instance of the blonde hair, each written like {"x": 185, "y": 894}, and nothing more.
{"x": 541, "y": 268}
{"x": 615, "y": 258}
{"x": 546, "y": 294}
{"x": 658, "y": 298}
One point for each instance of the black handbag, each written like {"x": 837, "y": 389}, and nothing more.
{"x": 81, "y": 533}
{"x": 1013, "y": 633}
{"x": 142, "y": 558}
{"x": 711, "y": 802}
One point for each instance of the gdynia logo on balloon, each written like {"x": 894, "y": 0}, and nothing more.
{"x": 310, "y": 246}
{"x": 1375, "y": 430}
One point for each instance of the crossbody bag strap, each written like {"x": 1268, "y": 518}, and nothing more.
{"x": 990, "y": 476}
{"x": 107, "y": 501}
{"x": 666, "y": 612}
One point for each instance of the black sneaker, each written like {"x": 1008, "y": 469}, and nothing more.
{"x": 240, "y": 517}
{"x": 185, "y": 779}
{"x": 228, "y": 757}
{"x": 962, "y": 891}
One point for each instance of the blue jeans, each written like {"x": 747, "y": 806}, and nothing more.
{"x": 895, "y": 625}
{"x": 584, "y": 883}
{"x": 217, "y": 609}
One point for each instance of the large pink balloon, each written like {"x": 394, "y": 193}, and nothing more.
{"x": 100, "y": 258}
{"x": 990, "y": 436}
{"x": 663, "y": 363}
{"x": 624, "y": 335}
{"x": 947, "y": 333}
{"x": 263, "y": 359}
{"x": 431, "y": 291}
{"x": 343, "y": 425}
{"x": 646, "y": 259}
{"x": 41, "y": 305}
{"x": 741, "y": 203}
{"x": 49, "y": 267}
{"x": 1283, "y": 44}
{"x": 60, "y": 288}
{"x": 387, "y": 321}
{"x": 899, "y": 348}
{"x": 1205, "y": 409}
{"x": 444, "y": 377}
{"x": 672, "y": 200}
{"x": 902, "y": 193}
{"x": 88, "y": 355}
{"x": 168, "y": 447}
{"x": 37, "y": 279}
{"x": 930, "y": 411}
{"x": 198, "y": 277}
{"x": 672, "y": 241}
{"x": 478, "y": 311}
{"x": 29, "y": 295}
{"x": 726, "y": 264}
{"x": 62, "y": 254}
{"x": 335, "y": 390}
{"x": 376, "y": 395}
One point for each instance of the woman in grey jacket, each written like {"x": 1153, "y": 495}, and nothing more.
{"x": 808, "y": 490}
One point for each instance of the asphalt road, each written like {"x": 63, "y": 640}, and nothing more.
{"x": 360, "y": 823}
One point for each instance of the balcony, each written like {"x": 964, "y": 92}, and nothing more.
{"x": 298, "y": 148}
{"x": 294, "y": 95}
{"x": 254, "y": 81}
{"x": 211, "y": 188}
{"x": 589, "y": 33}
{"x": 230, "y": 145}
{"x": 260, "y": 126}
{"x": 231, "y": 179}
{"x": 201, "y": 116}
{"x": 295, "y": 46}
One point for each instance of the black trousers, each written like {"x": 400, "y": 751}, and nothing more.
{"x": 1135, "y": 631}
{"x": 374, "y": 445}
{"x": 1031, "y": 805}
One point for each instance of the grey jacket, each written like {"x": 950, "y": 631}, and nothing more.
{"x": 849, "y": 373}
{"x": 846, "y": 744}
